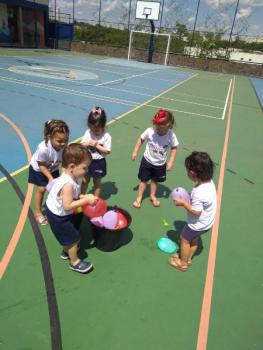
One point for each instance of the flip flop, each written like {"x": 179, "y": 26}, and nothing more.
{"x": 136, "y": 204}
{"x": 176, "y": 256}
{"x": 41, "y": 220}
{"x": 174, "y": 263}
{"x": 155, "y": 202}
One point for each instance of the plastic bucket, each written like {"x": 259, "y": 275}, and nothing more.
{"x": 108, "y": 240}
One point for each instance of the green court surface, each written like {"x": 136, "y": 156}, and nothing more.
{"x": 133, "y": 299}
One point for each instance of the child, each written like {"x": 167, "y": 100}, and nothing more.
{"x": 201, "y": 211}
{"x": 46, "y": 160}
{"x": 63, "y": 198}
{"x": 98, "y": 142}
{"x": 153, "y": 165}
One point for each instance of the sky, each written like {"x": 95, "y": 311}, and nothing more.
{"x": 213, "y": 15}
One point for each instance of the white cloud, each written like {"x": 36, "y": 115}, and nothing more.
{"x": 243, "y": 13}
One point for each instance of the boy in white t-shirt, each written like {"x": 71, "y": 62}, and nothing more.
{"x": 201, "y": 211}
{"x": 153, "y": 165}
{"x": 98, "y": 141}
{"x": 64, "y": 196}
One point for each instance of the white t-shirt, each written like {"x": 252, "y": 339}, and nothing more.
{"x": 45, "y": 153}
{"x": 157, "y": 145}
{"x": 104, "y": 140}
{"x": 54, "y": 200}
{"x": 203, "y": 199}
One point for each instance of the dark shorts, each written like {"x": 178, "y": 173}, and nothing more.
{"x": 149, "y": 171}
{"x": 188, "y": 234}
{"x": 39, "y": 179}
{"x": 97, "y": 168}
{"x": 63, "y": 228}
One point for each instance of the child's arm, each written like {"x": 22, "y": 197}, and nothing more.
{"x": 182, "y": 203}
{"x": 137, "y": 146}
{"x": 69, "y": 203}
{"x": 99, "y": 147}
{"x": 172, "y": 158}
{"x": 44, "y": 170}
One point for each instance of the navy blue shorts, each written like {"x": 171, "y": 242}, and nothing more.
{"x": 149, "y": 171}
{"x": 63, "y": 228}
{"x": 39, "y": 179}
{"x": 97, "y": 168}
{"x": 188, "y": 234}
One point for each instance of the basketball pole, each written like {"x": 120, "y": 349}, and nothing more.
{"x": 151, "y": 45}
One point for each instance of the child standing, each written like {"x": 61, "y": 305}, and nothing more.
{"x": 63, "y": 197}
{"x": 201, "y": 211}
{"x": 153, "y": 165}
{"x": 98, "y": 142}
{"x": 45, "y": 161}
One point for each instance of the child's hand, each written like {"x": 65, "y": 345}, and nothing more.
{"x": 134, "y": 155}
{"x": 93, "y": 143}
{"x": 90, "y": 199}
{"x": 179, "y": 202}
{"x": 169, "y": 166}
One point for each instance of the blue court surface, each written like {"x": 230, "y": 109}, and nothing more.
{"x": 36, "y": 89}
{"x": 258, "y": 86}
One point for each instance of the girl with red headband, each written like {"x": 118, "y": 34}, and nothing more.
{"x": 154, "y": 164}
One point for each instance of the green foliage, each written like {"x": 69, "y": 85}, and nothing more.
{"x": 207, "y": 44}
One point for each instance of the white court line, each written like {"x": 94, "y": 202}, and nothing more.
{"x": 126, "y": 78}
{"x": 69, "y": 91}
{"x": 227, "y": 97}
{"x": 194, "y": 103}
{"x": 178, "y": 110}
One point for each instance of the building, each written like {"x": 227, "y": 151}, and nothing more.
{"x": 24, "y": 23}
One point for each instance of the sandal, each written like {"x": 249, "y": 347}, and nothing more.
{"x": 136, "y": 204}
{"x": 155, "y": 202}
{"x": 41, "y": 220}
{"x": 176, "y": 256}
{"x": 174, "y": 262}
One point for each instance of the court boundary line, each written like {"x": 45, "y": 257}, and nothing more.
{"x": 9, "y": 251}
{"x": 209, "y": 281}
{"x": 227, "y": 97}
{"x": 126, "y": 78}
{"x": 18, "y": 171}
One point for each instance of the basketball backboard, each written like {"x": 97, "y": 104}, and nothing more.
{"x": 147, "y": 10}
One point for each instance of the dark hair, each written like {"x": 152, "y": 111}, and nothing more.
{"x": 163, "y": 117}
{"x": 201, "y": 164}
{"x": 97, "y": 117}
{"x": 75, "y": 153}
{"x": 53, "y": 126}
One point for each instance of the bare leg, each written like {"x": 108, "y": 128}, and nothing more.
{"x": 185, "y": 251}
{"x": 97, "y": 186}
{"x": 38, "y": 200}
{"x": 153, "y": 198}
{"x": 72, "y": 251}
{"x": 84, "y": 184}
{"x": 193, "y": 248}
{"x": 142, "y": 187}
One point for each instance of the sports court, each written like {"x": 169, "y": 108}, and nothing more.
{"x": 132, "y": 299}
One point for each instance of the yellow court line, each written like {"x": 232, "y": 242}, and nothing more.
{"x": 118, "y": 118}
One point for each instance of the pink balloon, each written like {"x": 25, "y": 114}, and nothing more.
{"x": 97, "y": 221}
{"x": 180, "y": 192}
{"x": 110, "y": 219}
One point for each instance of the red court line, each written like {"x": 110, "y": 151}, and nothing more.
{"x": 23, "y": 215}
{"x": 208, "y": 289}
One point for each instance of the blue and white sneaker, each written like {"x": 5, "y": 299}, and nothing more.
{"x": 64, "y": 255}
{"x": 82, "y": 267}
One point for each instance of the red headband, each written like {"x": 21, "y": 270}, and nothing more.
{"x": 159, "y": 117}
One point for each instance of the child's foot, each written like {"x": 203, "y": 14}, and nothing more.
{"x": 64, "y": 255}
{"x": 137, "y": 204}
{"x": 82, "y": 267}
{"x": 155, "y": 202}
{"x": 41, "y": 219}
{"x": 177, "y": 263}
{"x": 176, "y": 256}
